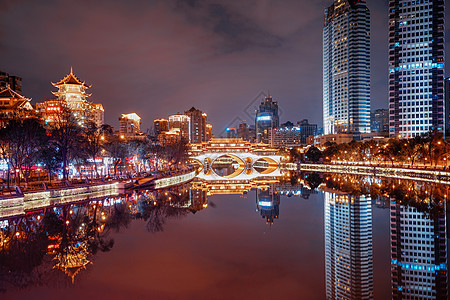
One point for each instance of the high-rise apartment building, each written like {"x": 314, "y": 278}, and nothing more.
{"x": 379, "y": 121}
{"x": 98, "y": 114}
{"x": 346, "y": 68}
{"x": 129, "y": 125}
{"x": 231, "y": 133}
{"x": 416, "y": 67}
{"x": 348, "y": 247}
{"x": 197, "y": 129}
{"x": 243, "y": 132}
{"x": 209, "y": 134}
{"x": 160, "y": 126}
{"x": 306, "y": 129}
{"x": 419, "y": 253}
{"x": 183, "y": 123}
{"x": 14, "y": 82}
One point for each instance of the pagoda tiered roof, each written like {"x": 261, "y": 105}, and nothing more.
{"x": 9, "y": 93}
{"x": 71, "y": 79}
{"x": 19, "y": 100}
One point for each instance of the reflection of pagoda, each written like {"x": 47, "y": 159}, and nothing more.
{"x": 268, "y": 204}
{"x": 348, "y": 246}
{"x": 73, "y": 259}
{"x": 419, "y": 253}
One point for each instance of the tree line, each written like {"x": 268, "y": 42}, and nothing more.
{"x": 28, "y": 142}
{"x": 430, "y": 148}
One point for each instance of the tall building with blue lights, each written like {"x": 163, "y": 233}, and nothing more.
{"x": 346, "y": 68}
{"x": 348, "y": 246}
{"x": 266, "y": 120}
{"x": 416, "y": 67}
{"x": 419, "y": 253}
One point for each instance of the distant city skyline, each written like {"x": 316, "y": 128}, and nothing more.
{"x": 167, "y": 56}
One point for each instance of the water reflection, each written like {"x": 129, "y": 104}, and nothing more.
{"x": 57, "y": 245}
{"x": 417, "y": 233}
{"x": 268, "y": 203}
{"x": 35, "y": 248}
{"x": 419, "y": 253}
{"x": 348, "y": 246}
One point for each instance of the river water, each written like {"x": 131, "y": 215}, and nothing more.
{"x": 308, "y": 237}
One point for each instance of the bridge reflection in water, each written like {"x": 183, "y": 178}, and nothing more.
{"x": 71, "y": 234}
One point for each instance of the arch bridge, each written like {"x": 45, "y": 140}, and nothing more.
{"x": 235, "y": 159}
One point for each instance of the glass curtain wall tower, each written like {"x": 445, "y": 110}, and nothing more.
{"x": 346, "y": 68}
{"x": 416, "y": 67}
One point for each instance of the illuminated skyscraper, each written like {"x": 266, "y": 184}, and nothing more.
{"x": 419, "y": 254}
{"x": 416, "y": 67}
{"x": 266, "y": 119}
{"x": 346, "y": 68}
{"x": 348, "y": 247}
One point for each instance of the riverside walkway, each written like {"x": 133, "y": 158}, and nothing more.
{"x": 421, "y": 173}
{"x": 18, "y": 203}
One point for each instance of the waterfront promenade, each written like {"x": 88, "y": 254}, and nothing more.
{"x": 18, "y": 203}
{"x": 435, "y": 174}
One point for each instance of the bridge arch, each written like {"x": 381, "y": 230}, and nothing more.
{"x": 236, "y": 172}
{"x": 265, "y": 165}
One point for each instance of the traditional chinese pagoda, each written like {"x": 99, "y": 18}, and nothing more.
{"x": 72, "y": 95}
{"x": 73, "y": 91}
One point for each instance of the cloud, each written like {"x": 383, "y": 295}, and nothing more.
{"x": 162, "y": 57}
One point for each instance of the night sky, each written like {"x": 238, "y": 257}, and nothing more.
{"x": 157, "y": 58}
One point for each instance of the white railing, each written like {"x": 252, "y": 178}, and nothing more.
{"x": 174, "y": 180}
{"x": 19, "y": 204}
{"x": 437, "y": 176}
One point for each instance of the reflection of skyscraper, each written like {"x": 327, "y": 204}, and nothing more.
{"x": 268, "y": 204}
{"x": 419, "y": 254}
{"x": 348, "y": 247}
{"x": 197, "y": 199}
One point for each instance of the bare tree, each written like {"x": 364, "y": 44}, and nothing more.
{"x": 66, "y": 134}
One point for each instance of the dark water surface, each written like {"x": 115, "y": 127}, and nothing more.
{"x": 260, "y": 245}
